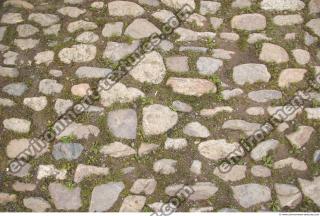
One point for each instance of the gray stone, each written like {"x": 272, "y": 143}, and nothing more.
{"x": 277, "y": 111}
{"x": 10, "y": 58}
{"x": 97, "y": 5}
{"x": 197, "y": 19}
{"x": 118, "y": 93}
{"x": 314, "y": 25}
{"x": 237, "y": 124}
{"x": 195, "y": 129}
{"x": 112, "y": 29}
{"x": 285, "y": 20}
{"x": 208, "y": 66}
{"x": 158, "y": 119}
{"x": 196, "y": 167}
{"x": 3, "y": 30}
{"x": 150, "y": 69}
{"x": 141, "y": 28}
{"x": 181, "y": 106}
{"x": 80, "y": 131}
{"x": 260, "y": 171}
{"x": 282, "y": 5}
{"x": 314, "y": 6}
{"x": 187, "y": 35}
{"x": 146, "y": 148}
{"x": 72, "y": 12}
{"x": 25, "y": 44}
{"x": 209, "y": 7}
{"x": 291, "y": 75}
{"x": 165, "y": 166}
{"x": 44, "y": 19}
{"x": 23, "y": 187}
{"x": 81, "y": 89}
{"x": 316, "y": 156}
{"x": 17, "y": 146}
{"x": 236, "y": 173}
{"x": 193, "y": 49}
{"x": 117, "y": 149}
{"x": 6, "y": 102}
{"x": 152, "y": 3}
{"x": 49, "y": 86}
{"x": 241, "y": 4}
{"x": 249, "y": 22}
{"x": 17, "y": 125}
{"x": 74, "y": 2}
{"x": 249, "y": 195}
{"x": 22, "y": 171}
{"x": 116, "y": 51}
{"x": 288, "y": 195}
{"x": 52, "y": 30}
{"x": 84, "y": 171}
{"x": 99, "y": 202}
{"x": 3, "y": 48}
{"x": 11, "y": 18}
{"x": 92, "y": 72}
{"x": 273, "y": 53}
{"x": 216, "y": 22}
{"x": 217, "y": 149}
{"x": 18, "y": 4}
{"x": 309, "y": 39}
{"x": 215, "y": 111}
{"x": 229, "y": 36}
{"x": 266, "y": 95}
{"x": 201, "y": 209}
{"x": 300, "y": 137}
{"x": 191, "y": 86}
{"x": 62, "y": 105}
{"x": 45, "y": 171}
{"x": 163, "y": 15}
{"x": 133, "y": 203}
{"x": 261, "y": 150}
{"x": 78, "y": 53}
{"x": 222, "y": 54}
{"x": 81, "y": 25}
{"x": 125, "y": 8}
{"x": 177, "y": 63}
{"x": 36, "y": 204}
{"x": 26, "y": 30}
{"x": 255, "y": 111}
{"x": 250, "y": 73}
{"x": 311, "y": 189}
{"x": 293, "y": 163}
{"x": 123, "y": 123}
{"x": 45, "y": 57}
{"x": 301, "y": 56}
{"x": 9, "y": 72}
{"x": 178, "y": 4}
{"x": 146, "y": 186}
{"x": 6, "y": 198}
{"x": 175, "y": 144}
{"x": 36, "y": 103}
{"x": 65, "y": 198}
{"x": 227, "y": 94}
{"x": 68, "y": 151}
{"x": 87, "y": 37}
{"x": 202, "y": 191}
{"x": 15, "y": 89}
{"x": 165, "y": 45}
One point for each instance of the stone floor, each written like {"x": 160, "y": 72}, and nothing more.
{"x": 220, "y": 76}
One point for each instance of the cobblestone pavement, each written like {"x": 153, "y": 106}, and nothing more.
{"x": 168, "y": 123}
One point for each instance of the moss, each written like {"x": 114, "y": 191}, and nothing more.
{"x": 10, "y": 34}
